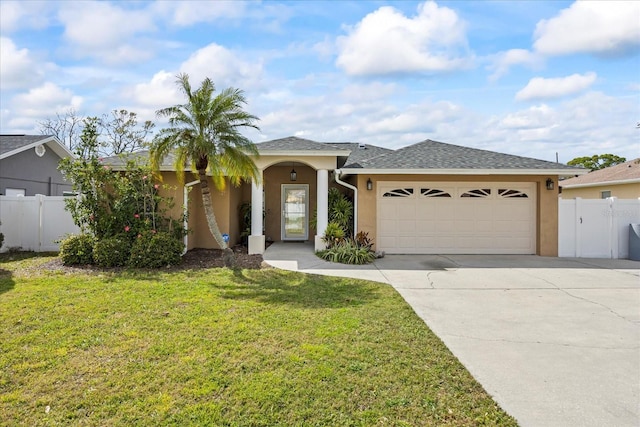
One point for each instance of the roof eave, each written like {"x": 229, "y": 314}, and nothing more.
{"x": 307, "y": 153}
{"x": 560, "y": 172}
{"x": 603, "y": 183}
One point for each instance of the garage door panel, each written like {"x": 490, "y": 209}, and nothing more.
{"x": 492, "y": 218}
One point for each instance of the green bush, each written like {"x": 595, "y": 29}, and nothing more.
{"x": 112, "y": 251}
{"x": 154, "y": 250}
{"x": 348, "y": 251}
{"x": 333, "y": 234}
{"x": 1, "y": 238}
{"x": 77, "y": 249}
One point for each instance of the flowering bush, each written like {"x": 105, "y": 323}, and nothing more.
{"x": 111, "y": 203}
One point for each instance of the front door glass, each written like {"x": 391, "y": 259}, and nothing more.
{"x": 295, "y": 207}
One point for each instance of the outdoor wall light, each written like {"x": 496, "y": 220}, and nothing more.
{"x": 549, "y": 184}
{"x": 369, "y": 184}
{"x": 293, "y": 176}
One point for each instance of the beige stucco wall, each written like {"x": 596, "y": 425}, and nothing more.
{"x": 621, "y": 191}
{"x": 225, "y": 208}
{"x": 546, "y": 209}
{"x": 273, "y": 178}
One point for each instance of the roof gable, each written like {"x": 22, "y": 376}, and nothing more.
{"x": 627, "y": 171}
{"x": 10, "y": 145}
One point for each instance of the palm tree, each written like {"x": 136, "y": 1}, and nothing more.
{"x": 204, "y": 134}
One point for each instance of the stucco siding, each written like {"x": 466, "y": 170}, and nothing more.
{"x": 621, "y": 191}
{"x": 36, "y": 175}
{"x": 274, "y": 177}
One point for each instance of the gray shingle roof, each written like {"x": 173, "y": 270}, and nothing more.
{"x": 13, "y": 142}
{"x": 438, "y": 155}
{"x": 293, "y": 143}
{"x": 360, "y": 152}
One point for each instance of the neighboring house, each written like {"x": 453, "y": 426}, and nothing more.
{"x": 429, "y": 197}
{"x": 621, "y": 181}
{"x": 29, "y": 165}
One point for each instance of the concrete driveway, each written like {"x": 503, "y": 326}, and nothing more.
{"x": 555, "y": 341}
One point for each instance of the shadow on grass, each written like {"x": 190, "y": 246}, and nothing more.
{"x": 298, "y": 289}
{"x": 6, "y": 281}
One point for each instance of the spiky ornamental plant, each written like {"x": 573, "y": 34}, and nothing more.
{"x": 204, "y": 134}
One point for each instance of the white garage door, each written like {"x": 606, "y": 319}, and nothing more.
{"x": 456, "y": 218}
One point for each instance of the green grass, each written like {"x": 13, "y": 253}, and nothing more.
{"x": 224, "y": 348}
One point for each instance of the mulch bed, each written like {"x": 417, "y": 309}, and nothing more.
{"x": 194, "y": 259}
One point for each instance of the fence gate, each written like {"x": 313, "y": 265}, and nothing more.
{"x": 596, "y": 228}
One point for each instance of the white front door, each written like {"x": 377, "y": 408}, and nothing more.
{"x": 295, "y": 212}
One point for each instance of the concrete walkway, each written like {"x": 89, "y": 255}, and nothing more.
{"x": 555, "y": 341}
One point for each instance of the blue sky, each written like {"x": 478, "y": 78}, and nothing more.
{"x": 527, "y": 78}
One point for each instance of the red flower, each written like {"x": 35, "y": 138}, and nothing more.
{"x": 127, "y": 228}
{"x": 136, "y": 216}
{"x": 156, "y": 186}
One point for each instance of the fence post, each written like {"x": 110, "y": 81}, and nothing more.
{"x": 578, "y": 222}
{"x": 613, "y": 230}
{"x": 40, "y": 207}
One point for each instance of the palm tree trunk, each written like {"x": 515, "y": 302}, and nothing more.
{"x": 229, "y": 258}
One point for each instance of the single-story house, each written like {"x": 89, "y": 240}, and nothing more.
{"x": 429, "y": 197}
{"x": 621, "y": 181}
{"x": 29, "y": 165}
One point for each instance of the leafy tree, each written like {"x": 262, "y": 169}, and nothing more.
{"x": 110, "y": 203}
{"x": 204, "y": 134}
{"x": 597, "y": 162}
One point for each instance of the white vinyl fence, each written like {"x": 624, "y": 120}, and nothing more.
{"x": 34, "y": 223}
{"x": 596, "y": 228}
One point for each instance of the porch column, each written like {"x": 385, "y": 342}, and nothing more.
{"x": 322, "y": 191}
{"x": 256, "y": 239}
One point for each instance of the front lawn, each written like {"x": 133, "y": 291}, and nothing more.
{"x": 222, "y": 348}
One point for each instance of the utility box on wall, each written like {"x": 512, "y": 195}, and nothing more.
{"x": 634, "y": 242}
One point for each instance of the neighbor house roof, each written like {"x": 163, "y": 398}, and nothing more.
{"x": 10, "y": 145}
{"x": 624, "y": 173}
{"x": 433, "y": 157}
{"x": 119, "y": 162}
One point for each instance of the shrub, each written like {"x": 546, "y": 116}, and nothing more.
{"x": 1, "y": 238}
{"x": 77, "y": 249}
{"x": 348, "y": 251}
{"x": 333, "y": 234}
{"x": 154, "y": 250}
{"x": 112, "y": 251}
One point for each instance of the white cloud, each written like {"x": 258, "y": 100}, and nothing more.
{"x": 598, "y": 27}
{"x": 505, "y": 60}
{"x": 542, "y": 88}
{"x": 17, "y": 67}
{"x": 161, "y": 91}
{"x": 106, "y": 31}
{"x": 24, "y": 15}
{"x": 39, "y": 103}
{"x": 186, "y": 13}
{"x": 223, "y": 66}
{"x": 387, "y": 42}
